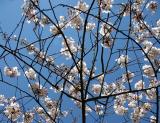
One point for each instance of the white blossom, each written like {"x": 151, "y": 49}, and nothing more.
{"x": 120, "y": 110}
{"x": 76, "y": 21}
{"x": 84, "y": 69}
{"x": 29, "y": 10}
{"x": 62, "y": 18}
{"x": 151, "y": 94}
{"x": 105, "y": 5}
{"x": 105, "y": 29}
{"x": 127, "y": 77}
{"x": 158, "y": 22}
{"x": 90, "y": 26}
{"x": 49, "y": 103}
{"x": 44, "y": 21}
{"x": 96, "y": 88}
{"x": 122, "y": 60}
{"x": 153, "y": 119}
{"x": 12, "y": 111}
{"x": 154, "y": 83}
{"x": 152, "y": 5}
{"x": 99, "y": 109}
{"x": 3, "y": 100}
{"x": 82, "y": 6}
{"x": 156, "y": 31}
{"x": 28, "y": 117}
{"x": 31, "y": 49}
{"x": 69, "y": 46}
{"x": 107, "y": 41}
{"x": 30, "y": 74}
{"x": 11, "y": 72}
{"x": 56, "y": 30}
{"x": 65, "y": 113}
{"x": 38, "y": 89}
{"x": 101, "y": 78}
{"x": 148, "y": 70}
{"x": 147, "y": 106}
{"x": 132, "y": 104}
{"x": 139, "y": 85}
